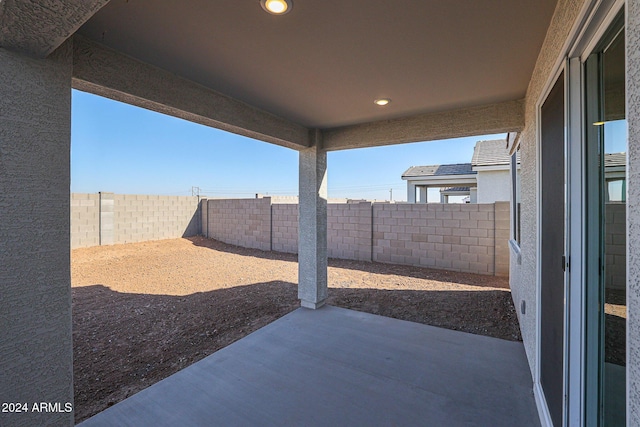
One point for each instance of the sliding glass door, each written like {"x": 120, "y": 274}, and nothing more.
{"x": 552, "y": 245}
{"x": 606, "y": 159}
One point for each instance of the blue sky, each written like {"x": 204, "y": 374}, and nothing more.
{"x": 128, "y": 150}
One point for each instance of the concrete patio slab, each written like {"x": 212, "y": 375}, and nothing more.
{"x": 334, "y": 367}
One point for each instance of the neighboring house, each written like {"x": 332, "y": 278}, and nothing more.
{"x": 420, "y": 178}
{"x": 491, "y": 161}
{"x": 485, "y": 180}
{"x": 464, "y": 192}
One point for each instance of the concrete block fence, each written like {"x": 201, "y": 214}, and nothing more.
{"x": 616, "y": 245}
{"x": 108, "y": 218}
{"x": 348, "y": 230}
{"x": 85, "y": 220}
{"x": 460, "y": 237}
{"x": 454, "y": 237}
{"x": 242, "y": 222}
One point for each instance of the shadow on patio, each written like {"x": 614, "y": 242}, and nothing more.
{"x": 341, "y": 367}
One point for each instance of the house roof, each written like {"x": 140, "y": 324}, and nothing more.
{"x": 491, "y": 153}
{"x": 455, "y": 189}
{"x": 612, "y": 160}
{"x": 439, "y": 170}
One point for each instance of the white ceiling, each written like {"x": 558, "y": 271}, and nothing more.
{"x": 323, "y": 64}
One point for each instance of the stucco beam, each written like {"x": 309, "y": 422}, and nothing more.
{"x": 105, "y": 72}
{"x": 38, "y": 27}
{"x": 481, "y": 120}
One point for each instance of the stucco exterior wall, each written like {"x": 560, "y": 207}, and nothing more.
{"x": 633, "y": 212}
{"x": 35, "y": 277}
{"x": 493, "y": 186}
{"x": 524, "y": 275}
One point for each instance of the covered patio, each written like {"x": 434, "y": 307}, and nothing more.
{"x": 334, "y": 366}
{"x": 331, "y": 76}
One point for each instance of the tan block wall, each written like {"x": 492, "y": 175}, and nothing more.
{"x": 349, "y": 231}
{"x": 452, "y": 237}
{"x": 131, "y": 218}
{"x": 85, "y": 220}
{"x": 502, "y": 234}
{"x": 616, "y": 245}
{"x": 285, "y": 228}
{"x": 241, "y": 222}
{"x": 138, "y": 218}
{"x": 471, "y": 238}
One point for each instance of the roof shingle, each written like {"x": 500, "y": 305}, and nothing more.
{"x": 612, "y": 160}
{"x": 439, "y": 170}
{"x": 490, "y": 153}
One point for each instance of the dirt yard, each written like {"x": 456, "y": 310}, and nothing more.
{"x": 143, "y": 311}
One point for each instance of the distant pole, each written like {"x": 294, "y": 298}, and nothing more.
{"x": 391, "y": 194}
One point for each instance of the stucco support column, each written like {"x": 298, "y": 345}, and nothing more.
{"x": 423, "y": 193}
{"x": 473, "y": 195}
{"x": 633, "y": 211}
{"x": 36, "y": 353}
{"x": 312, "y": 225}
{"x": 411, "y": 192}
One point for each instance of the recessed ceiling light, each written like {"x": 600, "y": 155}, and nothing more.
{"x": 382, "y": 101}
{"x": 276, "y": 7}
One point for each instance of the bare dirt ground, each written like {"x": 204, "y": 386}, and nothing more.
{"x": 143, "y": 311}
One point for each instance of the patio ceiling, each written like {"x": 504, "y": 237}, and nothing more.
{"x": 323, "y": 64}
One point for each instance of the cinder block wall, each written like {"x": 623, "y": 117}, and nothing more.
{"x": 471, "y": 238}
{"x": 241, "y": 222}
{"x": 204, "y": 217}
{"x": 138, "y": 218}
{"x": 85, "y": 220}
{"x": 616, "y": 245}
{"x": 284, "y": 229}
{"x": 131, "y": 218}
{"x": 349, "y": 231}
{"x": 503, "y": 233}
{"x": 448, "y": 236}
